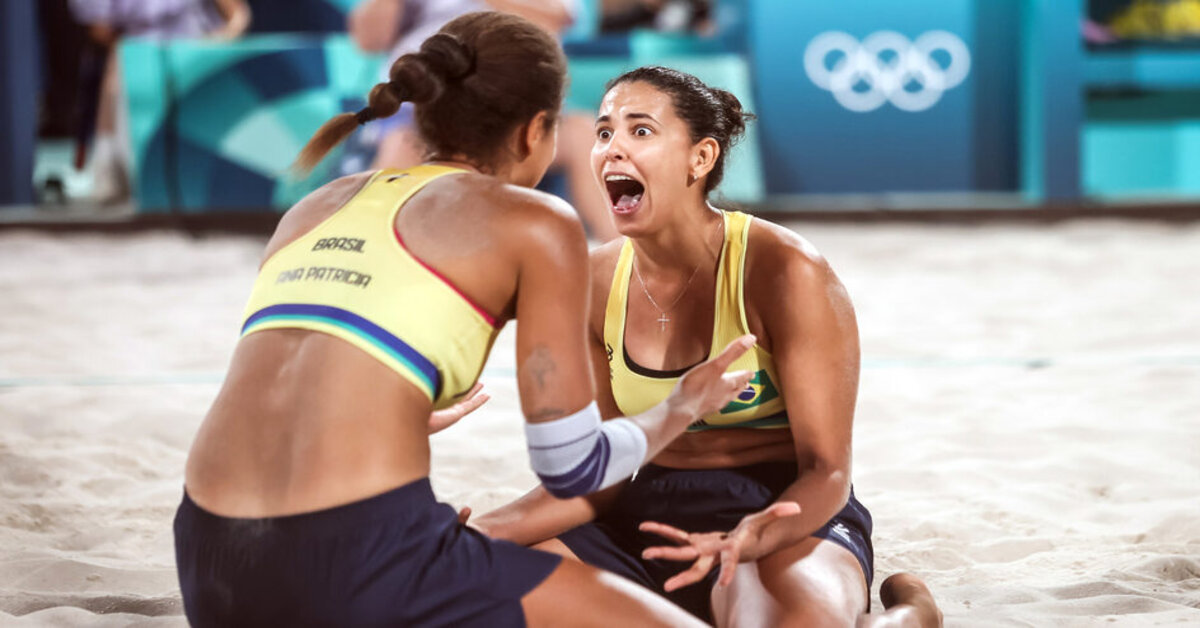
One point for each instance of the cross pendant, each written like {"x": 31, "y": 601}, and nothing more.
{"x": 663, "y": 319}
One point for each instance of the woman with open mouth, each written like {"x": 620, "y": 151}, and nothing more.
{"x": 758, "y": 496}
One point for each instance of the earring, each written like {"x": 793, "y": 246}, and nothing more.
{"x": 691, "y": 178}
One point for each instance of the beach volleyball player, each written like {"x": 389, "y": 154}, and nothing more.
{"x": 307, "y": 496}
{"x": 723, "y": 497}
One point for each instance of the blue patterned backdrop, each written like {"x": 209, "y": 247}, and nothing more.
{"x": 218, "y": 125}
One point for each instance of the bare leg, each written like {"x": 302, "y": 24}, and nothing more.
{"x": 813, "y": 583}
{"x": 110, "y": 179}
{"x": 574, "y": 156}
{"x": 555, "y": 546}
{"x": 908, "y": 603}
{"x": 578, "y": 595}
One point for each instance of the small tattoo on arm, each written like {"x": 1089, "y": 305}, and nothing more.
{"x": 539, "y": 365}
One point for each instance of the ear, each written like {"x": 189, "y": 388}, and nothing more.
{"x": 532, "y": 134}
{"x": 703, "y": 158}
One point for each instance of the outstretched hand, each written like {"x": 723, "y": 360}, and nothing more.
{"x": 707, "y": 388}
{"x": 470, "y": 402}
{"x": 706, "y": 548}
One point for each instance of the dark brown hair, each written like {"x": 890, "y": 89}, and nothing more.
{"x": 481, "y": 76}
{"x": 707, "y": 111}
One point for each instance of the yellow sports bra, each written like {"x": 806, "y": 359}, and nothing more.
{"x": 637, "y": 389}
{"x": 353, "y": 278}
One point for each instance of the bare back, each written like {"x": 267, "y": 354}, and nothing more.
{"x": 306, "y": 421}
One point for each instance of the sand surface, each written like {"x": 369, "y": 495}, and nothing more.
{"x": 1027, "y": 436}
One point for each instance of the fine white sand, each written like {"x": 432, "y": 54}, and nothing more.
{"x": 1027, "y": 437}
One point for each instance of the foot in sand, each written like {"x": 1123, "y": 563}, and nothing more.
{"x": 908, "y": 603}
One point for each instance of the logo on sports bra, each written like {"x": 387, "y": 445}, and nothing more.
{"x": 609, "y": 350}
{"x": 760, "y": 390}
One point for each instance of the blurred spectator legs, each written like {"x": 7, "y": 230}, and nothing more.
{"x": 110, "y": 150}
{"x": 574, "y": 157}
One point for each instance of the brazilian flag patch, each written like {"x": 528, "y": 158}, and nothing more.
{"x": 760, "y": 390}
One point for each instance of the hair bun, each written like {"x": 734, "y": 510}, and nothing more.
{"x": 735, "y": 116}
{"x": 447, "y": 56}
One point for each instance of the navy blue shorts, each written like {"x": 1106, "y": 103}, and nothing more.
{"x": 396, "y": 559}
{"x": 705, "y": 500}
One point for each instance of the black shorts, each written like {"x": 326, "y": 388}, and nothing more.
{"x": 396, "y": 559}
{"x": 707, "y": 500}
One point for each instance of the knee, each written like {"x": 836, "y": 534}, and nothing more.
{"x": 785, "y": 613}
{"x": 756, "y": 604}
{"x": 815, "y": 613}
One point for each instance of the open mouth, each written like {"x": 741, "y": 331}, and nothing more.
{"x": 624, "y": 192}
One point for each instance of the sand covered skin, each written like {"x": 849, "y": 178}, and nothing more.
{"x": 1027, "y": 436}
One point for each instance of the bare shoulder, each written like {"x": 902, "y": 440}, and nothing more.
{"x": 777, "y": 255}
{"x": 534, "y": 229}
{"x": 790, "y": 287}
{"x": 332, "y": 195}
{"x": 530, "y": 212}
{"x": 314, "y": 208}
{"x": 603, "y": 260}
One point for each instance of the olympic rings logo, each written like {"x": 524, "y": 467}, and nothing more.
{"x": 887, "y": 64}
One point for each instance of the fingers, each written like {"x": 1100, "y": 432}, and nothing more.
{"x": 472, "y": 403}
{"x": 733, "y": 351}
{"x": 464, "y": 514}
{"x": 737, "y": 380}
{"x": 694, "y": 574}
{"x": 664, "y": 530}
{"x": 773, "y": 513}
{"x": 729, "y": 563}
{"x": 666, "y": 552}
{"x": 474, "y": 391}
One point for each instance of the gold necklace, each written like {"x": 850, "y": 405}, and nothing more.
{"x": 663, "y": 319}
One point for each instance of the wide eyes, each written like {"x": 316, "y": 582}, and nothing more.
{"x": 639, "y": 131}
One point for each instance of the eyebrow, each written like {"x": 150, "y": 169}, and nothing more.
{"x": 634, "y": 116}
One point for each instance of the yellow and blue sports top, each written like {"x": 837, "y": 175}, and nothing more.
{"x": 352, "y": 277}
{"x": 637, "y": 389}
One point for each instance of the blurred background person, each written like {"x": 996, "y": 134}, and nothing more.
{"x": 397, "y": 27}
{"x": 107, "y": 22}
{"x": 672, "y": 16}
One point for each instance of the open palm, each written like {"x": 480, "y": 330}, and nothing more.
{"x": 442, "y": 419}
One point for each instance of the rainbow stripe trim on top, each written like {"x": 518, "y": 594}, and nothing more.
{"x": 397, "y": 349}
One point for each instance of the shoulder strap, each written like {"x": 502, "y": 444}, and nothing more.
{"x": 618, "y": 295}
{"x": 729, "y": 319}
{"x": 389, "y": 190}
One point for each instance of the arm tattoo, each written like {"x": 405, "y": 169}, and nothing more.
{"x": 539, "y": 365}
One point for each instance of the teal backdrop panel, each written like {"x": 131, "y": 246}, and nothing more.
{"x": 1139, "y": 144}
{"x": 216, "y": 126}
{"x": 1141, "y": 159}
{"x": 883, "y": 96}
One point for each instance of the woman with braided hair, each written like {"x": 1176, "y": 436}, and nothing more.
{"x": 307, "y": 499}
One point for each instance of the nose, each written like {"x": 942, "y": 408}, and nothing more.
{"x": 614, "y": 152}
